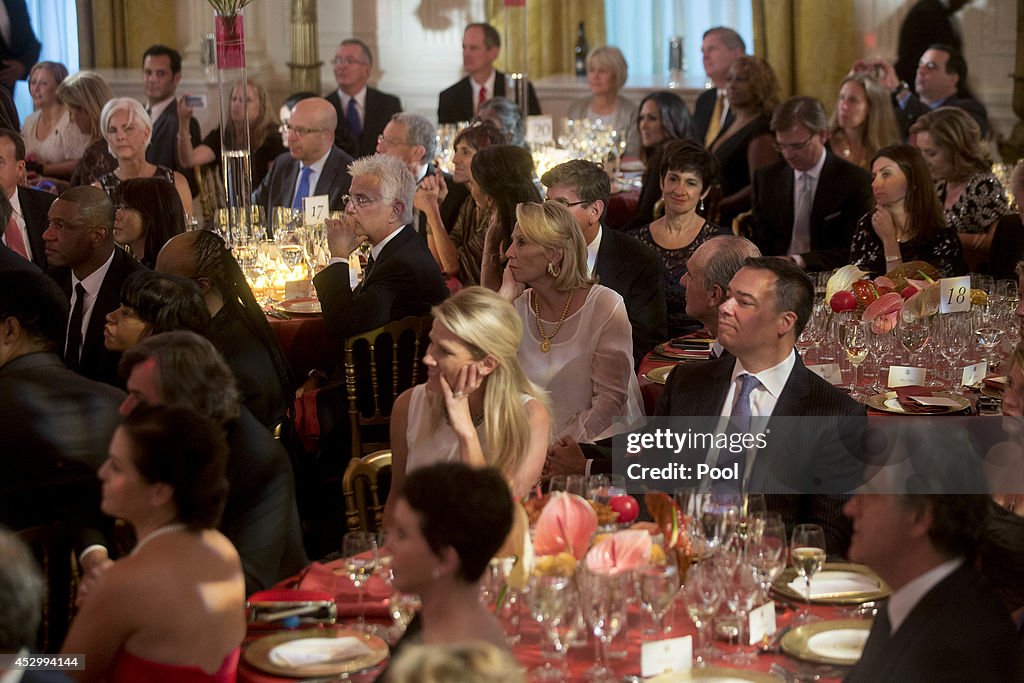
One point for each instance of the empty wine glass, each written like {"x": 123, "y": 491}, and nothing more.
{"x": 988, "y": 328}
{"x": 548, "y": 598}
{"x": 953, "y": 341}
{"x": 360, "y": 551}
{"x": 913, "y": 333}
{"x": 702, "y": 593}
{"x": 604, "y": 599}
{"x": 719, "y": 515}
{"x": 741, "y": 590}
{"x": 807, "y": 552}
{"x": 766, "y": 551}
{"x": 657, "y": 586}
{"x": 855, "y": 336}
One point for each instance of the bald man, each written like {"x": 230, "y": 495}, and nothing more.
{"x": 313, "y": 164}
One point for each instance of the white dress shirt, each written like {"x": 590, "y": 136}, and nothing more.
{"x": 489, "y": 84}
{"x": 317, "y": 167}
{"x": 592, "y": 250}
{"x": 92, "y": 284}
{"x": 155, "y": 110}
{"x": 360, "y": 98}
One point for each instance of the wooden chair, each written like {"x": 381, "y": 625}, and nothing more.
{"x": 362, "y": 485}
{"x": 52, "y": 548}
{"x": 380, "y": 365}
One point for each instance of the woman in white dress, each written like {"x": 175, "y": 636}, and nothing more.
{"x": 477, "y": 406}
{"x": 51, "y": 140}
{"x": 578, "y": 343}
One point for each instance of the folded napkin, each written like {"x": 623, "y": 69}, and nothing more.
{"x": 314, "y": 651}
{"x": 911, "y": 406}
{"x": 332, "y": 577}
{"x": 835, "y": 583}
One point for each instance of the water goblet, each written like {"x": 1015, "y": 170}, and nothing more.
{"x": 741, "y": 590}
{"x": 702, "y": 594}
{"x": 604, "y": 599}
{"x": 657, "y": 586}
{"x": 548, "y": 598}
{"x": 807, "y": 552}
{"x": 359, "y": 549}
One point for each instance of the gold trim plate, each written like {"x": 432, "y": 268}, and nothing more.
{"x": 878, "y": 402}
{"x": 781, "y": 586}
{"x": 257, "y": 654}
{"x": 659, "y": 375}
{"x": 714, "y": 673}
{"x": 300, "y": 306}
{"x": 853, "y": 634}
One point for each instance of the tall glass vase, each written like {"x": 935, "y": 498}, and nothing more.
{"x": 234, "y": 126}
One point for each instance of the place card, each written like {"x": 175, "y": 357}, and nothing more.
{"x": 973, "y": 374}
{"x": 940, "y": 401}
{"x": 539, "y": 130}
{"x": 298, "y": 289}
{"x": 830, "y": 372}
{"x": 902, "y": 376}
{"x": 955, "y": 294}
{"x": 316, "y": 209}
{"x": 762, "y": 623}
{"x": 660, "y": 656}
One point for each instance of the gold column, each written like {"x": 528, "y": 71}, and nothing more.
{"x": 304, "y": 65}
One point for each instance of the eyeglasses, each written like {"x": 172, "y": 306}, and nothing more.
{"x": 347, "y": 61}
{"x": 360, "y": 200}
{"x": 794, "y": 146}
{"x": 391, "y": 141}
{"x": 927, "y": 66}
{"x": 299, "y": 130}
{"x": 569, "y": 204}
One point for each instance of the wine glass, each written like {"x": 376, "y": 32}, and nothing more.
{"x": 913, "y": 333}
{"x": 855, "y": 336}
{"x": 604, "y": 598}
{"x": 360, "y": 551}
{"x": 548, "y": 598}
{"x": 988, "y": 329}
{"x": 702, "y": 593}
{"x": 953, "y": 339}
{"x": 718, "y": 518}
{"x": 766, "y": 551}
{"x": 741, "y": 590}
{"x": 657, "y": 586}
{"x": 807, "y": 552}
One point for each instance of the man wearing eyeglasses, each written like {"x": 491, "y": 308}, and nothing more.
{"x": 313, "y": 164}
{"x": 940, "y": 81}
{"x": 806, "y": 205}
{"x": 362, "y": 111}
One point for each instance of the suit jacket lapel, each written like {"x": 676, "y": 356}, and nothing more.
{"x": 822, "y": 196}
{"x": 107, "y": 299}
{"x": 389, "y": 248}
{"x": 792, "y": 402}
{"x": 35, "y": 237}
{"x": 608, "y": 263}
{"x": 788, "y": 208}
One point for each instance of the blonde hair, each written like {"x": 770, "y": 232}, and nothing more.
{"x": 955, "y": 131}
{"x": 490, "y": 326}
{"x": 472, "y": 662}
{"x": 88, "y": 91}
{"x": 551, "y": 225}
{"x": 880, "y": 127}
{"x": 611, "y": 58}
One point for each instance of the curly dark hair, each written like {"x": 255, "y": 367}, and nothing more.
{"x": 505, "y": 174}
{"x": 763, "y": 81}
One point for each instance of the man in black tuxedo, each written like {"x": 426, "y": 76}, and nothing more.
{"x": 19, "y": 48}
{"x": 807, "y": 204}
{"x": 721, "y": 47}
{"x": 621, "y": 262}
{"x": 928, "y": 22}
{"x": 940, "y": 81}
{"x": 28, "y": 206}
{"x": 313, "y": 164}
{"x": 480, "y": 47}
{"x": 412, "y": 139}
{"x": 401, "y": 278}
{"x": 943, "y": 622}
{"x": 362, "y": 111}
{"x": 805, "y": 463}
{"x": 90, "y": 268}
{"x": 161, "y": 72}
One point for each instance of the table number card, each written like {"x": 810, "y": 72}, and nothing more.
{"x": 830, "y": 372}
{"x": 973, "y": 374}
{"x": 539, "y": 130}
{"x": 902, "y": 376}
{"x": 298, "y": 289}
{"x": 316, "y": 210}
{"x": 955, "y": 294}
{"x": 762, "y": 623}
{"x": 659, "y": 656}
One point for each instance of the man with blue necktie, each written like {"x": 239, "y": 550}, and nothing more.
{"x": 362, "y": 111}
{"x": 313, "y": 164}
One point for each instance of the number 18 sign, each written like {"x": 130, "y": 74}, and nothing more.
{"x": 955, "y": 294}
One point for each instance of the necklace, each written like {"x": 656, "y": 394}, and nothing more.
{"x": 545, "y": 343}
{"x": 160, "y": 531}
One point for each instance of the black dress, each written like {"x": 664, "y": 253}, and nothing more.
{"x": 260, "y": 158}
{"x": 943, "y": 250}
{"x": 734, "y": 171}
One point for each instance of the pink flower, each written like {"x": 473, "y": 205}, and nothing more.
{"x": 566, "y": 524}
{"x": 883, "y": 313}
{"x": 620, "y": 552}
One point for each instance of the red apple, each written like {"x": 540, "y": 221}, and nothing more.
{"x": 626, "y": 506}
{"x": 908, "y": 291}
{"x": 843, "y": 300}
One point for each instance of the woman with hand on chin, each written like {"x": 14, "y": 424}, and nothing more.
{"x": 907, "y": 223}
{"x": 477, "y": 407}
{"x": 578, "y": 343}
{"x": 174, "y": 609}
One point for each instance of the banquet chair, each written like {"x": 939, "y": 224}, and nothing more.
{"x": 380, "y": 365}
{"x": 52, "y": 548}
{"x": 362, "y": 485}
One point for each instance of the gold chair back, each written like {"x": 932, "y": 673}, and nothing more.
{"x": 361, "y": 485}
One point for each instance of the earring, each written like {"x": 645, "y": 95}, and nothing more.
{"x": 700, "y": 205}
{"x": 435, "y": 573}
{"x": 552, "y": 271}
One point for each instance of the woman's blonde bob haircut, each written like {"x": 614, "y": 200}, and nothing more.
{"x": 488, "y": 325}
{"x": 552, "y": 227}
{"x": 611, "y": 58}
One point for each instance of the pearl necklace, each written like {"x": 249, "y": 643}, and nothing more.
{"x": 160, "y": 531}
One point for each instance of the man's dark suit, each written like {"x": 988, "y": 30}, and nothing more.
{"x": 805, "y": 456}
{"x": 24, "y": 46}
{"x": 380, "y": 107}
{"x": 634, "y": 271}
{"x": 35, "y": 206}
{"x": 96, "y": 361}
{"x": 163, "y": 147}
{"x": 959, "y": 631}
{"x": 843, "y": 196}
{"x": 278, "y": 187}
{"x": 405, "y": 280}
{"x": 915, "y": 108}
{"x": 702, "y": 111}
{"x": 456, "y": 103}
{"x": 10, "y": 260}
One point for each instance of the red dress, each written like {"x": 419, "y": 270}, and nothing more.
{"x": 129, "y": 668}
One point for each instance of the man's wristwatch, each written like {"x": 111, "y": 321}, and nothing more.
{"x": 902, "y": 88}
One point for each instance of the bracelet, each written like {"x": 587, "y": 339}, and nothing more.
{"x": 892, "y": 259}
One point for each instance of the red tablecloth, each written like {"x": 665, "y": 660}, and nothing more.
{"x": 621, "y": 208}
{"x": 305, "y": 344}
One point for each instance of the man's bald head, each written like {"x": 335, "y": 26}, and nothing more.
{"x": 178, "y": 256}
{"x": 311, "y": 129}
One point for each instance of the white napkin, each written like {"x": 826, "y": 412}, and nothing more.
{"x": 835, "y": 582}
{"x": 844, "y": 644}
{"x": 312, "y": 651}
